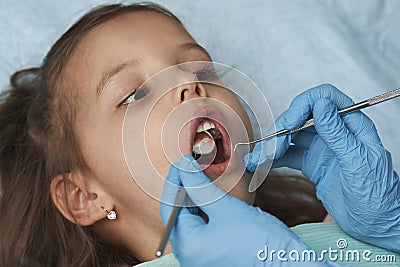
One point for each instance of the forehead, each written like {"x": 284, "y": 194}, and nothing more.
{"x": 143, "y": 35}
{"x": 134, "y": 29}
{"x": 143, "y": 24}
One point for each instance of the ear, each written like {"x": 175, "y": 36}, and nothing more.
{"x": 74, "y": 202}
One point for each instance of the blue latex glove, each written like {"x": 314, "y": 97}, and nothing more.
{"x": 235, "y": 233}
{"x": 345, "y": 158}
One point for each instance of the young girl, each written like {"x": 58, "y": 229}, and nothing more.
{"x": 63, "y": 173}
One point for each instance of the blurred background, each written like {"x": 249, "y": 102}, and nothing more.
{"x": 284, "y": 46}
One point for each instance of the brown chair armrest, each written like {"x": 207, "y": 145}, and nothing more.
{"x": 291, "y": 198}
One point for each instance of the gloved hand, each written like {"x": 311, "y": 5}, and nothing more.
{"x": 345, "y": 158}
{"x": 235, "y": 233}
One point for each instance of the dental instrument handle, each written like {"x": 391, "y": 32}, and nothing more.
{"x": 180, "y": 199}
{"x": 363, "y": 104}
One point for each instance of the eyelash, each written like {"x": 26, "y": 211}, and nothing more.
{"x": 127, "y": 100}
{"x": 209, "y": 71}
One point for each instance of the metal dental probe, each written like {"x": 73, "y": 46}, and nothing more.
{"x": 363, "y": 104}
{"x": 180, "y": 199}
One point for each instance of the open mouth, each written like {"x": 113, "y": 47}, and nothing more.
{"x": 211, "y": 145}
{"x": 208, "y": 147}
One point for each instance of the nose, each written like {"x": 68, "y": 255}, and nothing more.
{"x": 190, "y": 88}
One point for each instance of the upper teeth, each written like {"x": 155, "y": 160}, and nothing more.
{"x": 204, "y": 126}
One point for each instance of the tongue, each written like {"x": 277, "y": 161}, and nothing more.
{"x": 203, "y": 144}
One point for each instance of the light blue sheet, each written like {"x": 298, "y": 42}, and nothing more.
{"x": 284, "y": 46}
{"x": 340, "y": 248}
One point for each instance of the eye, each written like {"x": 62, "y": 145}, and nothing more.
{"x": 134, "y": 96}
{"x": 206, "y": 73}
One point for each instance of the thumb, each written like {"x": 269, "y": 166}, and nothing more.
{"x": 264, "y": 152}
{"x": 201, "y": 190}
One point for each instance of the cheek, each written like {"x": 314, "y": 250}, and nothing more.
{"x": 241, "y": 189}
{"x": 153, "y": 143}
{"x": 167, "y": 137}
{"x": 102, "y": 151}
{"x": 230, "y": 99}
{"x": 101, "y": 146}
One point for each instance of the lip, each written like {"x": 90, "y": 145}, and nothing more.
{"x": 214, "y": 115}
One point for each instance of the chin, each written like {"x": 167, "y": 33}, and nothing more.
{"x": 241, "y": 191}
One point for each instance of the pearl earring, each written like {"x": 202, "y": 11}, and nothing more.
{"x": 111, "y": 215}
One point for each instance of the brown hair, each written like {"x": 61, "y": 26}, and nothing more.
{"x": 37, "y": 143}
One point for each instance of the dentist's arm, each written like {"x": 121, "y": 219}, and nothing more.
{"x": 345, "y": 158}
{"x": 236, "y": 235}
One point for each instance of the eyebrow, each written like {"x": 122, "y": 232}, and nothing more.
{"x": 196, "y": 47}
{"x": 114, "y": 71}
{"x": 133, "y": 62}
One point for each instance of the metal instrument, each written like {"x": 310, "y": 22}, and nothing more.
{"x": 363, "y": 104}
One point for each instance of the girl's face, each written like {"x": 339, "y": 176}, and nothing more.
{"x": 107, "y": 66}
